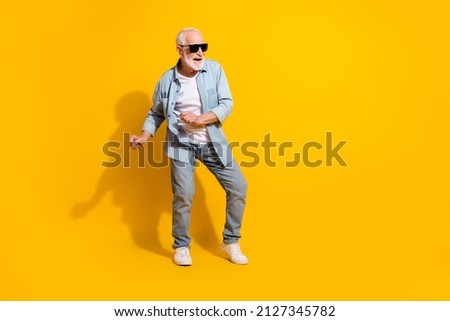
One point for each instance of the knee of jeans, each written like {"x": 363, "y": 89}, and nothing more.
{"x": 239, "y": 187}
{"x": 184, "y": 196}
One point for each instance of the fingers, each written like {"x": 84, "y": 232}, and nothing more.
{"x": 184, "y": 117}
{"x": 188, "y": 118}
{"x": 135, "y": 141}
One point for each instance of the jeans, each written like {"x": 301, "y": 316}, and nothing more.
{"x": 230, "y": 178}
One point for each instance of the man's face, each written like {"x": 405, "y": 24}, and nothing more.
{"x": 192, "y": 60}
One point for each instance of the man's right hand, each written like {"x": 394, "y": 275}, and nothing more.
{"x": 137, "y": 141}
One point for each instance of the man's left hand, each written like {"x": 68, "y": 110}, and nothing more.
{"x": 199, "y": 120}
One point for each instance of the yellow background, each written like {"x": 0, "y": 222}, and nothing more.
{"x": 76, "y": 74}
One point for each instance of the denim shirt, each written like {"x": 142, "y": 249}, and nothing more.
{"x": 215, "y": 97}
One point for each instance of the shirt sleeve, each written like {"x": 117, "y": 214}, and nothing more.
{"x": 155, "y": 116}
{"x": 224, "y": 108}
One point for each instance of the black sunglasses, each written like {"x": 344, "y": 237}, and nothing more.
{"x": 194, "y": 48}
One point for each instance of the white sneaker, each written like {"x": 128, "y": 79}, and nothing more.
{"x": 234, "y": 253}
{"x": 182, "y": 256}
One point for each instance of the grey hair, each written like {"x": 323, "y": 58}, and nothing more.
{"x": 179, "y": 40}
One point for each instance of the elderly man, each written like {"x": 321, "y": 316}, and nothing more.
{"x": 195, "y": 99}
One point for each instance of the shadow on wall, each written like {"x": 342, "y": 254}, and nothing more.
{"x": 144, "y": 194}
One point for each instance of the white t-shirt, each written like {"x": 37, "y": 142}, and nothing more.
{"x": 188, "y": 100}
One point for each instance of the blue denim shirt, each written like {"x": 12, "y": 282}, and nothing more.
{"x": 215, "y": 96}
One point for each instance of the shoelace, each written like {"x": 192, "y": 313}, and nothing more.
{"x": 183, "y": 252}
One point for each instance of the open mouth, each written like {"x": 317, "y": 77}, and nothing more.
{"x": 198, "y": 59}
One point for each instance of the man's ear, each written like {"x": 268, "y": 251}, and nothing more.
{"x": 179, "y": 50}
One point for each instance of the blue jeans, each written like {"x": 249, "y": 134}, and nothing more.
{"x": 230, "y": 178}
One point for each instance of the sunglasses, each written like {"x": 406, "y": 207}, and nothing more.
{"x": 194, "y": 48}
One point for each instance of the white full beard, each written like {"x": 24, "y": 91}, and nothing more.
{"x": 193, "y": 64}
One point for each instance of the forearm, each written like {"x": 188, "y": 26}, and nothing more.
{"x": 208, "y": 118}
{"x": 145, "y": 135}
